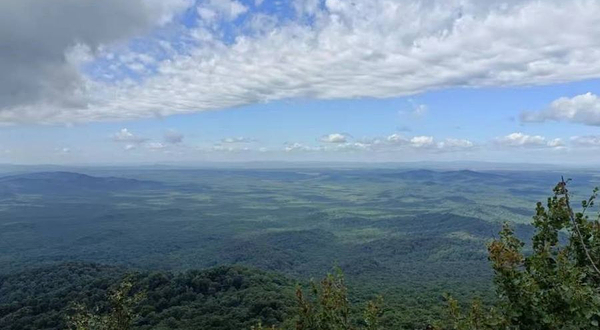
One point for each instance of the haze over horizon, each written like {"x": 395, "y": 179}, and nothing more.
{"x": 374, "y": 81}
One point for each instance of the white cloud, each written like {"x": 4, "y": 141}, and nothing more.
{"x": 354, "y": 146}
{"x": 583, "y": 109}
{"x": 228, "y": 10}
{"x": 363, "y": 48}
{"x": 528, "y": 141}
{"x": 452, "y": 143}
{"x": 391, "y": 144}
{"x": 299, "y": 147}
{"x": 206, "y": 14}
{"x": 586, "y": 141}
{"x": 125, "y": 136}
{"x": 334, "y": 138}
{"x": 556, "y": 143}
{"x": 397, "y": 139}
{"x": 521, "y": 140}
{"x": 422, "y": 141}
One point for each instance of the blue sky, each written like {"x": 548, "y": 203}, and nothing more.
{"x": 306, "y": 80}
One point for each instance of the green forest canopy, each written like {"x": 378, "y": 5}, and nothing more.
{"x": 554, "y": 286}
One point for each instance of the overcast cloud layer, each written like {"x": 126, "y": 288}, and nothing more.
{"x": 236, "y": 55}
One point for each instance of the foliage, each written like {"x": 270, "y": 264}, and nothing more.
{"x": 327, "y": 307}
{"x": 557, "y": 285}
{"x": 98, "y": 298}
{"x": 329, "y": 310}
{"x": 120, "y": 315}
{"x": 40, "y": 298}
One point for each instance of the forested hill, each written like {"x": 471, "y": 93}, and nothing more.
{"x": 218, "y": 298}
{"x": 410, "y": 236}
{"x": 67, "y": 183}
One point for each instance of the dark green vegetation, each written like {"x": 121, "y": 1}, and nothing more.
{"x": 219, "y": 298}
{"x": 408, "y": 235}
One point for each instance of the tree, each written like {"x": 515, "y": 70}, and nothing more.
{"x": 557, "y": 285}
{"x": 327, "y": 308}
{"x": 119, "y": 317}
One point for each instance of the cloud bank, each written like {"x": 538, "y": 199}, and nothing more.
{"x": 522, "y": 140}
{"x": 337, "y": 142}
{"x": 582, "y": 109}
{"x": 234, "y": 55}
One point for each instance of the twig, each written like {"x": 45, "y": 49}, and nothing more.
{"x": 572, "y": 217}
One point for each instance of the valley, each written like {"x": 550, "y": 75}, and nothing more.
{"x": 410, "y": 235}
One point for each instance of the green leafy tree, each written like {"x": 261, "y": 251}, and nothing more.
{"x": 327, "y": 307}
{"x": 330, "y": 309}
{"x": 557, "y": 285}
{"x": 120, "y": 315}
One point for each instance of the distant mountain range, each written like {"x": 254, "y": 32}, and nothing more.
{"x": 445, "y": 175}
{"x": 67, "y": 183}
{"x": 441, "y": 166}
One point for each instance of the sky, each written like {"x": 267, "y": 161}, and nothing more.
{"x": 195, "y": 81}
